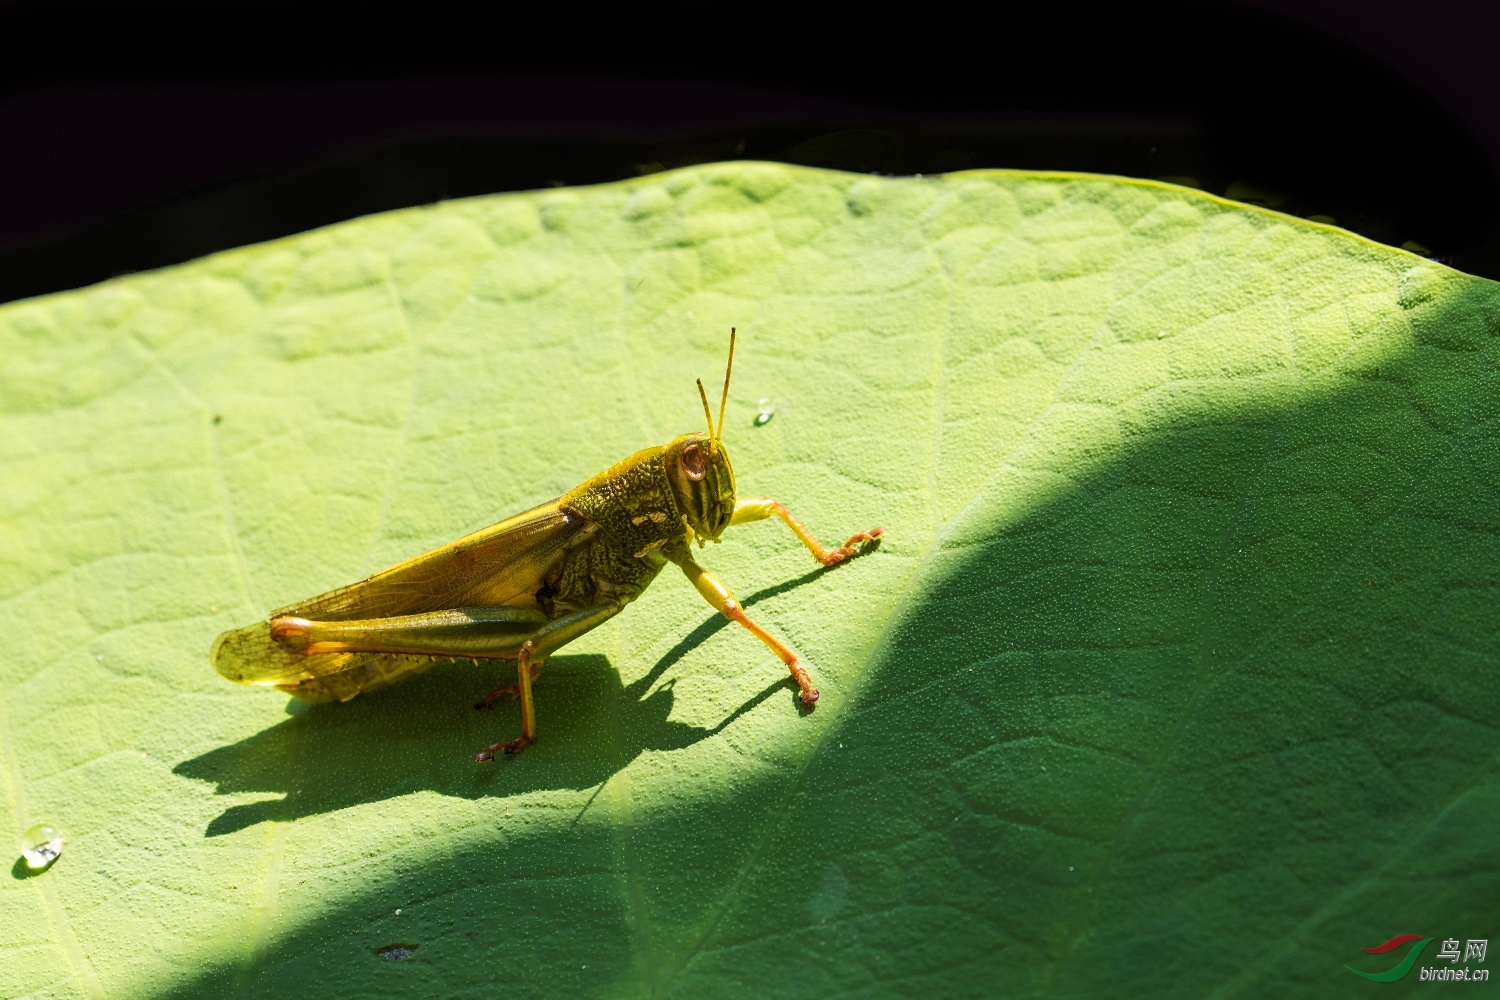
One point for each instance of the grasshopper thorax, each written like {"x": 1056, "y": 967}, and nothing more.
{"x": 703, "y": 482}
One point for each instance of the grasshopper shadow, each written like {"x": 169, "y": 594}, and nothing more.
{"x": 422, "y": 735}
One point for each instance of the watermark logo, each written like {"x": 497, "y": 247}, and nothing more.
{"x": 1474, "y": 950}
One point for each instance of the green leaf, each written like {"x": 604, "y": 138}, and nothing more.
{"x": 1175, "y": 676}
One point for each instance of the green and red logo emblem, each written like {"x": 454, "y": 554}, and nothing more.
{"x": 1474, "y": 950}
{"x": 1402, "y": 967}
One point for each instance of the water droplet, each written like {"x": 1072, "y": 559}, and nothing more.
{"x": 398, "y": 911}
{"x": 396, "y": 952}
{"x": 1070, "y": 868}
{"x": 41, "y": 845}
{"x": 767, "y": 411}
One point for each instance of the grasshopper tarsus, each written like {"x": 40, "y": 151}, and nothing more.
{"x": 808, "y": 693}
{"x": 867, "y": 541}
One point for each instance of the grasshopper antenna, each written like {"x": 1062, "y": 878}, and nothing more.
{"x": 724, "y": 400}
{"x": 706, "y": 413}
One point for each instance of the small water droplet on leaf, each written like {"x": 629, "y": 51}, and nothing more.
{"x": 767, "y": 411}
{"x": 41, "y": 845}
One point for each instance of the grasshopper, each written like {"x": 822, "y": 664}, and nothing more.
{"x": 523, "y": 588}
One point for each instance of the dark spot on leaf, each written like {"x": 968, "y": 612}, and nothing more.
{"x": 396, "y": 952}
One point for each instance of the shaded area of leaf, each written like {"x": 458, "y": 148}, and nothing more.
{"x": 1215, "y": 713}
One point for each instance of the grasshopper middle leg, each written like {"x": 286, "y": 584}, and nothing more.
{"x": 718, "y": 595}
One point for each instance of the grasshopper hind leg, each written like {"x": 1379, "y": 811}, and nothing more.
{"x": 542, "y": 643}
{"x": 527, "y": 667}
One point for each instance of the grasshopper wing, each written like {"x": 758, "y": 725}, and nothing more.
{"x": 503, "y": 565}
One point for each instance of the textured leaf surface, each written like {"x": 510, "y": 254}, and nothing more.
{"x": 1176, "y": 675}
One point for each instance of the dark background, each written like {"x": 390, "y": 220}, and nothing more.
{"x": 142, "y": 134}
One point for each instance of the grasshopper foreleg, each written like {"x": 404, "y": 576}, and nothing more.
{"x": 758, "y": 510}
{"x": 542, "y": 643}
{"x": 718, "y": 595}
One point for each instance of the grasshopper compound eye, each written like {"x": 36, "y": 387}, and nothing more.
{"x": 693, "y": 463}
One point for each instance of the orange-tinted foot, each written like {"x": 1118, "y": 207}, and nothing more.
{"x": 865, "y": 539}
{"x": 804, "y": 682}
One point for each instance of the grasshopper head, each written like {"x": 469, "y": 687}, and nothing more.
{"x": 700, "y": 471}
{"x": 703, "y": 479}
